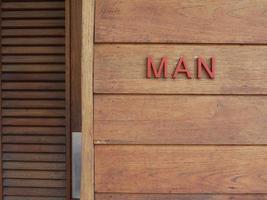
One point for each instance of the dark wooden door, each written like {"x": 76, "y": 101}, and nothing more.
{"x": 35, "y": 128}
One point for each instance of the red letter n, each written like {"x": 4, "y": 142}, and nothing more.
{"x": 210, "y": 70}
{"x": 157, "y": 72}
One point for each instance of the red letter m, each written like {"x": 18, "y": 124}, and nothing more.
{"x": 157, "y": 72}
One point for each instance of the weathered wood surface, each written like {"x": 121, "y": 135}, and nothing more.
{"x": 176, "y": 119}
{"x": 180, "y": 169}
{"x": 122, "y": 69}
{"x": 181, "y": 21}
{"x": 103, "y": 196}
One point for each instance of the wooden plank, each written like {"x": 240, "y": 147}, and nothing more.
{"x": 32, "y": 198}
{"x": 34, "y": 183}
{"x": 33, "y": 104}
{"x": 33, "y": 14}
{"x": 33, "y": 32}
{"x": 30, "y": 86}
{"x": 87, "y": 63}
{"x": 33, "y": 59}
{"x": 10, "y": 130}
{"x": 33, "y": 95}
{"x": 34, "y": 157}
{"x": 33, "y": 23}
{"x": 76, "y": 43}
{"x": 180, "y": 169}
{"x": 103, "y": 196}
{"x": 33, "y": 148}
{"x": 34, "y": 174}
{"x": 32, "y": 121}
{"x": 33, "y": 67}
{"x": 32, "y": 50}
{"x": 122, "y": 69}
{"x": 33, "y": 41}
{"x": 33, "y": 6}
{"x": 54, "y": 166}
{"x": 181, "y": 21}
{"x": 50, "y": 192}
{"x": 33, "y": 113}
{"x": 176, "y": 119}
{"x": 33, "y": 77}
{"x": 27, "y": 139}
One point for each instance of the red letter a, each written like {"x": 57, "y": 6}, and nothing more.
{"x": 210, "y": 70}
{"x": 181, "y": 70}
{"x": 157, "y": 72}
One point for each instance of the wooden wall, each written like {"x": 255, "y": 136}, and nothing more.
{"x": 180, "y": 139}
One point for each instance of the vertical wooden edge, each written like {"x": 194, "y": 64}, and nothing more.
{"x": 87, "y": 179}
{"x": 75, "y": 66}
{"x": 67, "y": 98}
{"x": 1, "y": 167}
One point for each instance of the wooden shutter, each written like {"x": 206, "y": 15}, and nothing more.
{"x": 34, "y": 100}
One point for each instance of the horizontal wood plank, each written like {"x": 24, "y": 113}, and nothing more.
{"x": 51, "y": 166}
{"x": 102, "y": 196}
{"x": 34, "y": 157}
{"x": 21, "y": 121}
{"x": 33, "y": 14}
{"x": 33, "y": 32}
{"x": 45, "y": 192}
{"x": 33, "y": 77}
{"x": 122, "y": 69}
{"x": 26, "y": 139}
{"x": 33, "y": 6}
{"x": 15, "y": 41}
{"x": 32, "y": 50}
{"x": 33, "y": 59}
{"x": 34, "y": 183}
{"x": 181, "y": 21}
{"x": 180, "y": 169}
{"x": 33, "y": 67}
{"x": 33, "y": 148}
{"x": 33, "y": 104}
{"x": 32, "y": 198}
{"x": 33, "y": 23}
{"x": 34, "y": 174}
{"x": 22, "y": 130}
{"x": 33, "y": 113}
{"x": 176, "y": 119}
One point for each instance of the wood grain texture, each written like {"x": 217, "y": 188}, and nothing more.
{"x": 87, "y": 171}
{"x": 103, "y": 196}
{"x": 181, "y": 21}
{"x": 122, "y": 69}
{"x": 175, "y": 119}
{"x": 180, "y": 169}
{"x": 76, "y": 43}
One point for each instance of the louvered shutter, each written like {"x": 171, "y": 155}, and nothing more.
{"x": 34, "y": 100}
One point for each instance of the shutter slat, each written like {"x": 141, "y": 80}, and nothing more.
{"x": 34, "y": 183}
{"x": 51, "y": 166}
{"x": 33, "y": 104}
{"x": 33, "y": 68}
{"x": 33, "y": 23}
{"x": 34, "y": 174}
{"x": 32, "y": 6}
{"x": 33, "y": 95}
{"x": 52, "y": 192}
{"x": 33, "y": 14}
{"x": 33, "y": 32}
{"x": 34, "y": 148}
{"x": 33, "y": 139}
{"x": 34, "y": 41}
{"x": 32, "y": 50}
{"x": 34, "y": 157}
{"x": 10, "y": 130}
{"x": 33, "y": 112}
